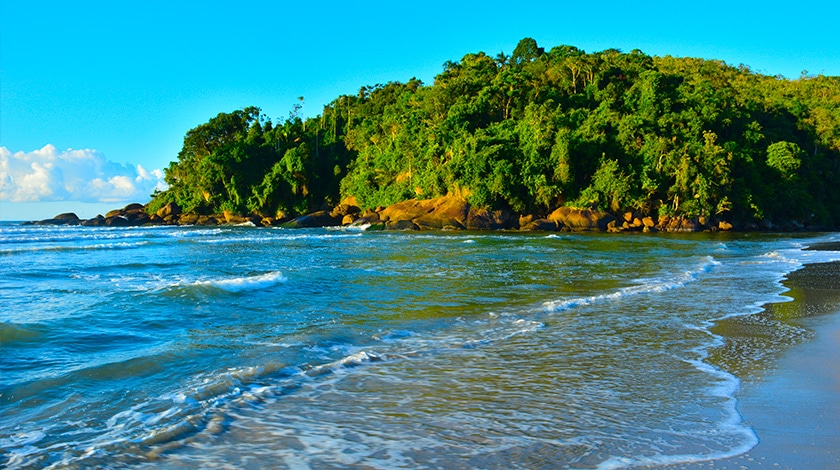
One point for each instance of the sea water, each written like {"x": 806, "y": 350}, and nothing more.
{"x": 243, "y": 347}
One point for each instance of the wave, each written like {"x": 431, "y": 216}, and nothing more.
{"x": 652, "y": 286}
{"x": 240, "y": 284}
{"x": 99, "y": 246}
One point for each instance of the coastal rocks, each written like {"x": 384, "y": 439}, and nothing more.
{"x": 443, "y": 213}
{"x": 482, "y": 219}
{"x": 541, "y": 225}
{"x": 316, "y": 219}
{"x": 579, "y": 220}
{"x": 68, "y": 218}
{"x": 171, "y": 208}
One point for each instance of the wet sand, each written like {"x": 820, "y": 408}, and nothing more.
{"x": 790, "y": 396}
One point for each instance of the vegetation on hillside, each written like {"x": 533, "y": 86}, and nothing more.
{"x": 533, "y": 131}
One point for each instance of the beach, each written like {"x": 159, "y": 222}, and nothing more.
{"x": 792, "y": 398}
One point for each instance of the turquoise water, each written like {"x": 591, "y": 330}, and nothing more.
{"x": 251, "y": 347}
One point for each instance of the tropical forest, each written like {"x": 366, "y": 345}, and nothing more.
{"x": 533, "y": 131}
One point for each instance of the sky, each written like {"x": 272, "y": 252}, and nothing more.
{"x": 96, "y": 96}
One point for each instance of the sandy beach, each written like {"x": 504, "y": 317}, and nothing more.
{"x": 790, "y": 396}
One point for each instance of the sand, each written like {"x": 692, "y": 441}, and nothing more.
{"x": 793, "y": 403}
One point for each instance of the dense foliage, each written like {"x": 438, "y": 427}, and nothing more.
{"x": 534, "y": 131}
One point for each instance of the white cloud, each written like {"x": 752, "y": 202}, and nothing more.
{"x": 73, "y": 175}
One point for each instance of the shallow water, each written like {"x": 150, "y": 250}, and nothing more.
{"x": 248, "y": 347}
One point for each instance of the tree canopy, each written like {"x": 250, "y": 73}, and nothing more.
{"x": 534, "y": 131}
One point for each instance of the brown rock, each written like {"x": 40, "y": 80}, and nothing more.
{"x": 134, "y": 207}
{"x": 581, "y": 219}
{"x": 429, "y": 214}
{"x": 482, "y": 219}
{"x": 169, "y": 209}
{"x": 344, "y": 209}
{"x": 188, "y": 219}
{"x": 401, "y": 225}
{"x": 543, "y": 225}
{"x": 113, "y": 213}
{"x": 348, "y": 219}
{"x": 648, "y": 222}
{"x": 724, "y": 226}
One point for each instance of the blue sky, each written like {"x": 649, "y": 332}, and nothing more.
{"x": 89, "y": 90}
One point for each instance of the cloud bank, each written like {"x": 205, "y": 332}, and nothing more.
{"x": 73, "y": 175}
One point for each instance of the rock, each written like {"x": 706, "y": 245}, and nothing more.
{"x": 648, "y": 222}
{"x": 268, "y": 221}
{"x": 724, "y": 226}
{"x": 316, "y": 219}
{"x": 543, "y": 225}
{"x": 171, "y": 208}
{"x": 581, "y": 219}
{"x": 134, "y": 207}
{"x": 344, "y": 209}
{"x": 56, "y": 222}
{"x": 206, "y": 220}
{"x": 113, "y": 213}
{"x": 401, "y": 225}
{"x": 348, "y": 219}
{"x": 429, "y": 214}
{"x": 71, "y": 216}
{"x": 526, "y": 219}
{"x": 188, "y": 219}
{"x": 371, "y": 216}
{"x": 116, "y": 221}
{"x": 238, "y": 219}
{"x": 482, "y": 219}
{"x": 97, "y": 221}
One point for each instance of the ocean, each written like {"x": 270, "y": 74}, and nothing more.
{"x": 244, "y": 347}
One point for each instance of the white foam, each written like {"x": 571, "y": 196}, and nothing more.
{"x": 652, "y": 286}
{"x": 242, "y": 284}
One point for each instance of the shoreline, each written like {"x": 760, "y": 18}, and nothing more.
{"x": 791, "y": 396}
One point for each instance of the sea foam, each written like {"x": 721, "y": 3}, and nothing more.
{"x": 649, "y": 286}
{"x": 243, "y": 284}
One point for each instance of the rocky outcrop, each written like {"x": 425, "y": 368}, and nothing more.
{"x": 316, "y": 219}
{"x": 580, "y": 220}
{"x": 171, "y": 208}
{"x": 443, "y": 213}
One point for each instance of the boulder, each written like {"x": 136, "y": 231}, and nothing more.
{"x": 116, "y": 221}
{"x": 97, "y": 221}
{"x": 113, "y": 213}
{"x": 544, "y": 225}
{"x": 581, "y": 219}
{"x": 724, "y": 226}
{"x": 344, "y": 209}
{"x": 428, "y": 214}
{"x": 206, "y": 220}
{"x": 70, "y": 216}
{"x": 316, "y": 219}
{"x": 171, "y": 208}
{"x": 482, "y": 219}
{"x": 134, "y": 207}
{"x": 188, "y": 219}
{"x": 371, "y": 216}
{"x": 348, "y": 219}
{"x": 401, "y": 225}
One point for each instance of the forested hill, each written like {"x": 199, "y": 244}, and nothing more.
{"x": 536, "y": 130}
